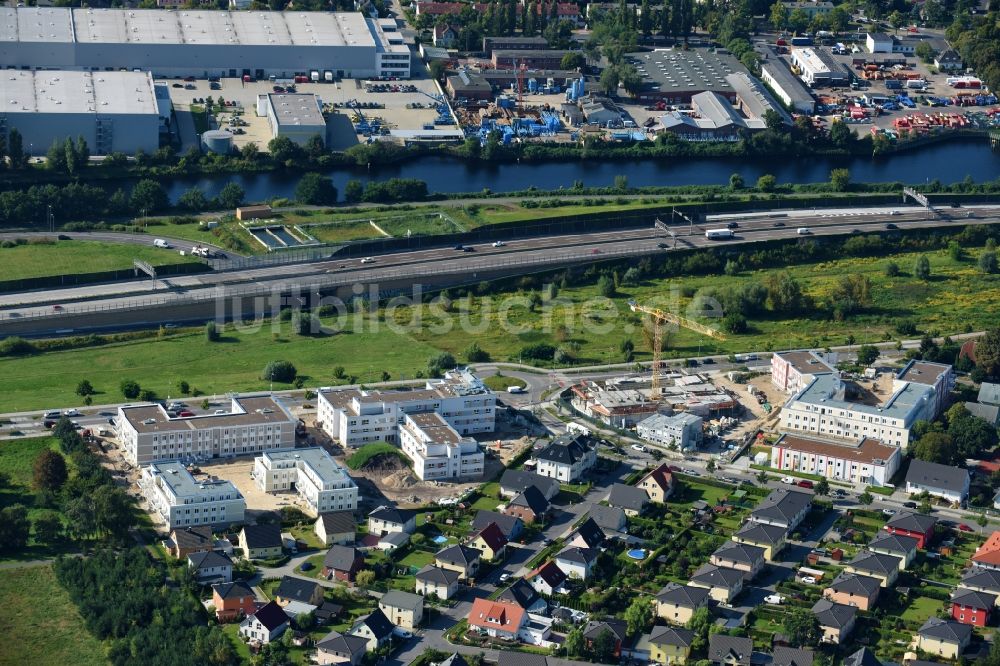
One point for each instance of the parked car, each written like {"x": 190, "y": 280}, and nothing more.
{"x": 963, "y": 527}
{"x": 185, "y": 413}
{"x": 638, "y": 447}
{"x": 774, "y": 599}
{"x": 789, "y": 480}
{"x": 808, "y": 580}
{"x": 805, "y": 484}
{"x": 402, "y": 633}
{"x": 504, "y": 577}
{"x": 910, "y": 505}
{"x": 888, "y": 512}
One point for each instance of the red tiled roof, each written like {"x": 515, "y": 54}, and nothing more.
{"x": 493, "y": 536}
{"x": 662, "y": 476}
{"x": 989, "y": 552}
{"x": 501, "y": 615}
{"x": 550, "y": 573}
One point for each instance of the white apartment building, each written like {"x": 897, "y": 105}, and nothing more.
{"x": 567, "y": 458}
{"x": 825, "y": 408}
{"x": 682, "y": 430}
{"x": 792, "y": 370}
{"x": 868, "y": 461}
{"x": 319, "y": 480}
{"x": 255, "y": 423}
{"x": 437, "y": 450}
{"x": 183, "y": 501}
{"x": 939, "y": 376}
{"x": 354, "y": 417}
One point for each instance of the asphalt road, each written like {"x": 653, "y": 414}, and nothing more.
{"x": 525, "y": 254}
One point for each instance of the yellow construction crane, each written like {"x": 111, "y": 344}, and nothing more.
{"x": 659, "y": 316}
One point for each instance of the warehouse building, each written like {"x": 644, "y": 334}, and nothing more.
{"x": 818, "y": 68}
{"x": 298, "y": 117}
{"x": 202, "y": 43}
{"x": 112, "y": 111}
{"x": 514, "y": 59}
{"x": 787, "y": 86}
{"x": 675, "y": 75}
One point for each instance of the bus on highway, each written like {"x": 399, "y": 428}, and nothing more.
{"x": 719, "y": 234}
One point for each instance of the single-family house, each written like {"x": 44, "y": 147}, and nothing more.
{"x": 916, "y": 525}
{"x": 577, "y": 562}
{"x": 769, "y": 537}
{"x": 972, "y": 607}
{"x": 609, "y": 518}
{"x": 529, "y": 505}
{"x": 265, "y": 625}
{"x": 884, "y": 567}
{"x": 944, "y": 638}
{"x": 437, "y": 581}
{"x": 791, "y": 656}
{"x": 338, "y": 648}
{"x": 677, "y": 603}
{"x": 455, "y": 659}
{"x": 836, "y": 621}
{"x": 294, "y": 589}
{"x": 987, "y": 556}
{"x": 342, "y": 563}
{"x": 210, "y": 566}
{"x": 375, "y": 628}
{"x": 260, "y": 542}
{"x": 863, "y": 657}
{"x": 851, "y": 589}
{"x": 948, "y": 60}
{"x": 186, "y": 540}
{"x": 670, "y": 645}
{"x": 898, "y": 545}
{"x": 459, "y": 558}
{"x": 982, "y": 580}
{"x": 498, "y": 619}
{"x": 515, "y": 481}
{"x": 403, "y": 609}
{"x": 524, "y": 596}
{"x": 945, "y": 481}
{"x": 783, "y": 508}
{"x": 336, "y": 527}
{"x": 392, "y": 541}
{"x": 725, "y": 650}
{"x": 567, "y": 458}
{"x": 630, "y": 499}
{"x": 547, "y": 578}
{"x": 387, "y": 519}
{"x": 587, "y": 535}
{"x": 490, "y": 542}
{"x": 613, "y": 626}
{"x": 722, "y": 583}
{"x": 233, "y": 601}
{"x": 327, "y": 612}
{"x": 445, "y": 35}
{"x": 510, "y": 526}
{"x": 658, "y": 484}
{"x": 739, "y": 556}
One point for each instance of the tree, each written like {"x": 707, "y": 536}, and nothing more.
{"x": 437, "y": 69}
{"x": 183, "y": 387}
{"x": 49, "y": 471}
{"x": 972, "y": 435}
{"x": 865, "y": 498}
{"x": 574, "y": 643}
{"x": 840, "y": 179}
{"x": 798, "y": 21}
{"x": 606, "y": 286}
{"x": 354, "y": 191}
{"x": 476, "y": 354}
{"x": 801, "y": 627}
{"x": 822, "y": 487}
{"x": 610, "y": 78}
{"x": 193, "y": 199}
{"x": 148, "y": 195}
{"x": 14, "y": 528}
{"x": 867, "y": 354}
{"x": 736, "y": 180}
{"x": 840, "y": 134}
{"x": 988, "y": 262}
{"x": 15, "y": 150}
{"x": 231, "y": 196}
{"x": 734, "y": 323}
{"x": 891, "y": 269}
{"x": 767, "y": 183}
{"x": 639, "y": 615}
{"x": 364, "y": 579}
{"x": 603, "y": 646}
{"x": 84, "y": 388}
{"x": 936, "y": 447}
{"x": 922, "y": 268}
{"x": 55, "y": 158}
{"x": 112, "y": 512}
{"x": 988, "y": 353}
{"x": 130, "y": 389}
{"x": 573, "y": 60}
{"x": 710, "y": 467}
{"x": 925, "y": 52}
{"x": 250, "y": 152}
{"x": 436, "y": 365}
{"x": 279, "y": 371}
{"x": 211, "y": 332}
{"x": 283, "y": 149}
{"x": 315, "y": 189}
{"x": 700, "y": 624}
{"x": 925, "y": 507}
{"x": 761, "y": 477}
{"x": 779, "y": 15}
{"x": 48, "y": 526}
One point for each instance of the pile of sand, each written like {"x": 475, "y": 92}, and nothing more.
{"x": 399, "y": 480}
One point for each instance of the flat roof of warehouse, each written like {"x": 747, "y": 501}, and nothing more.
{"x": 675, "y": 70}
{"x": 23, "y": 91}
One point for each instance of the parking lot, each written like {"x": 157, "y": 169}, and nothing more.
{"x": 411, "y": 109}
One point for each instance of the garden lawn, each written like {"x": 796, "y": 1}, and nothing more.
{"x": 17, "y": 457}
{"x": 74, "y": 257}
{"x": 232, "y": 630}
{"x": 41, "y": 624}
{"x": 918, "y": 609}
{"x": 417, "y": 558}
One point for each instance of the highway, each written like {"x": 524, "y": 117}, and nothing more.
{"x": 515, "y": 257}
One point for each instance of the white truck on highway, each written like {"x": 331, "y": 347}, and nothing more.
{"x": 719, "y": 234}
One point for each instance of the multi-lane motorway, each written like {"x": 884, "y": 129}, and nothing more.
{"x": 49, "y": 310}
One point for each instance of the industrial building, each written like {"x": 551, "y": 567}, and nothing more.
{"x": 818, "y": 68}
{"x": 202, "y": 43}
{"x": 298, "y": 116}
{"x": 256, "y": 423}
{"x": 437, "y": 451}
{"x": 319, "y": 480}
{"x": 183, "y": 501}
{"x": 787, "y": 86}
{"x": 675, "y": 75}
{"x": 112, "y": 111}
{"x": 715, "y": 118}
{"x": 515, "y": 59}
{"x": 513, "y": 44}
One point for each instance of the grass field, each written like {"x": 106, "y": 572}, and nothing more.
{"x": 41, "y": 624}
{"x": 75, "y": 257}
{"x": 956, "y": 298}
{"x": 500, "y": 382}
{"x": 18, "y": 455}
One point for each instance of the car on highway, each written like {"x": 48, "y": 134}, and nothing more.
{"x": 498, "y": 243}
{"x": 71, "y": 412}
{"x": 459, "y": 247}
{"x": 368, "y": 260}
{"x": 49, "y": 424}
{"x": 595, "y": 251}
{"x": 733, "y": 225}
{"x": 57, "y": 308}
{"x": 888, "y": 512}
{"x": 691, "y": 472}
{"x": 468, "y": 248}
{"x": 662, "y": 246}
{"x": 778, "y": 224}
{"x": 893, "y": 212}
{"x": 891, "y": 226}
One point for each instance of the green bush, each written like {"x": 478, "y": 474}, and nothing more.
{"x": 279, "y": 371}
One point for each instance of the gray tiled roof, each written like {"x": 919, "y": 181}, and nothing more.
{"x": 987, "y": 579}
{"x": 855, "y": 584}
{"x": 911, "y": 522}
{"x": 565, "y": 450}
{"x": 686, "y": 596}
{"x": 343, "y": 643}
{"x": 730, "y": 649}
{"x": 740, "y": 552}
{"x": 894, "y": 543}
{"x": 338, "y": 522}
{"x": 877, "y": 563}
{"x": 458, "y": 554}
{"x": 207, "y": 559}
{"x": 832, "y": 614}
{"x": 973, "y": 599}
{"x": 515, "y": 480}
{"x": 863, "y": 657}
{"x": 945, "y": 630}
{"x": 663, "y": 635}
{"x": 437, "y": 575}
{"x": 506, "y": 523}
{"x": 627, "y": 497}
{"x": 607, "y": 517}
{"x": 789, "y": 656}
{"x": 401, "y": 599}
{"x": 709, "y": 574}
{"x": 761, "y": 533}
{"x": 782, "y": 505}
{"x": 933, "y": 475}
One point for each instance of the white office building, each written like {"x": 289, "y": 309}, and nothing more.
{"x": 255, "y": 423}
{"x": 437, "y": 450}
{"x": 298, "y": 117}
{"x": 112, "y": 111}
{"x": 318, "y": 479}
{"x": 355, "y": 417}
{"x": 819, "y": 68}
{"x": 183, "y": 501}
{"x": 202, "y": 42}
{"x": 682, "y": 430}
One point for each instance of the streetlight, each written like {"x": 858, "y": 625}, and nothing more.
{"x": 50, "y": 218}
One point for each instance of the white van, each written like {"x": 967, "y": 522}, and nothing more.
{"x": 803, "y": 231}
{"x": 159, "y": 242}
{"x": 515, "y": 389}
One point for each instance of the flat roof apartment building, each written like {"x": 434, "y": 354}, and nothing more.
{"x": 255, "y": 423}
{"x": 867, "y": 461}
{"x": 437, "y": 450}
{"x": 319, "y": 480}
{"x": 354, "y": 417}
{"x": 183, "y": 501}
{"x": 792, "y": 370}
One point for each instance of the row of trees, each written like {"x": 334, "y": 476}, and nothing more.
{"x": 957, "y": 436}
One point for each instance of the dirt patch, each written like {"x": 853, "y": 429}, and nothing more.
{"x": 238, "y": 473}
